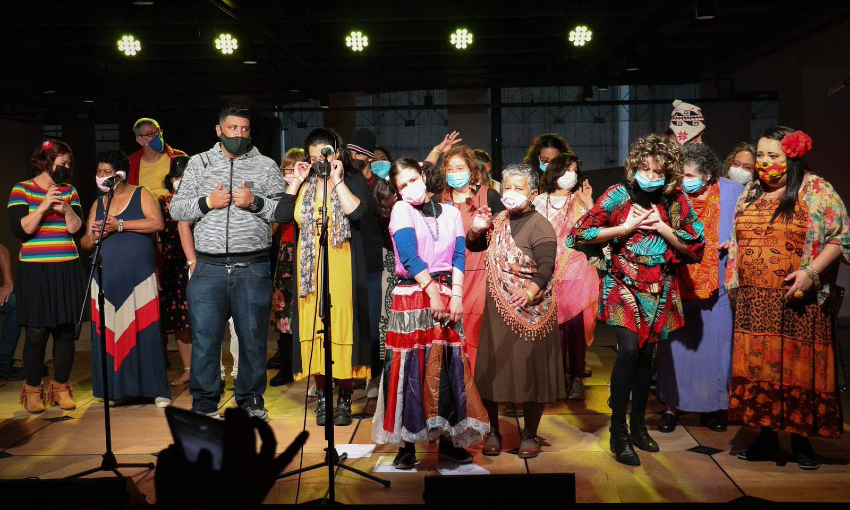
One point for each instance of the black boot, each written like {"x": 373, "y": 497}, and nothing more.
{"x": 342, "y": 413}
{"x": 640, "y": 436}
{"x": 765, "y": 447}
{"x": 275, "y": 361}
{"x": 668, "y": 422}
{"x": 803, "y": 453}
{"x": 321, "y": 411}
{"x": 283, "y": 376}
{"x": 406, "y": 457}
{"x": 621, "y": 444}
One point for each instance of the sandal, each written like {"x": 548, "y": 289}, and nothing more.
{"x": 183, "y": 379}
{"x": 529, "y": 447}
{"x": 492, "y": 444}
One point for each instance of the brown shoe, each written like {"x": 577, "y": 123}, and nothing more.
{"x": 492, "y": 444}
{"x": 61, "y": 394}
{"x": 529, "y": 447}
{"x": 32, "y": 398}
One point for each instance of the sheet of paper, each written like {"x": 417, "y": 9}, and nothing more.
{"x": 385, "y": 465}
{"x": 356, "y": 451}
{"x": 449, "y": 469}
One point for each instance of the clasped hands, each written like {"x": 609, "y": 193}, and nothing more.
{"x": 647, "y": 219}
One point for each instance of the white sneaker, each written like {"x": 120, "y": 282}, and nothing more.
{"x": 162, "y": 402}
{"x": 372, "y": 386}
{"x": 214, "y": 414}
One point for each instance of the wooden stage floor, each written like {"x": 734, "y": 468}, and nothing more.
{"x": 694, "y": 465}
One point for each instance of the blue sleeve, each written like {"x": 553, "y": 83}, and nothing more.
{"x": 408, "y": 251}
{"x": 459, "y": 257}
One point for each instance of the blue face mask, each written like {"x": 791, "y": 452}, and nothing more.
{"x": 692, "y": 185}
{"x": 649, "y": 185}
{"x": 381, "y": 168}
{"x": 458, "y": 180}
{"x": 157, "y": 143}
{"x": 543, "y": 166}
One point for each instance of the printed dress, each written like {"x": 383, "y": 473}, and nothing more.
{"x": 173, "y": 275}
{"x": 639, "y": 290}
{"x": 426, "y": 387}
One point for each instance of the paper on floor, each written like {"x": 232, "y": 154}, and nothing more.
{"x": 356, "y": 451}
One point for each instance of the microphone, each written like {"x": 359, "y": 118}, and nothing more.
{"x": 327, "y": 151}
{"x": 110, "y": 182}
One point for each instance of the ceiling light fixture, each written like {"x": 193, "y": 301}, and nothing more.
{"x": 704, "y": 10}
{"x": 357, "y": 40}
{"x": 461, "y": 38}
{"x": 226, "y": 44}
{"x": 580, "y": 35}
{"x": 129, "y": 45}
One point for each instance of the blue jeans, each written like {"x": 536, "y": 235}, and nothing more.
{"x": 11, "y": 331}
{"x": 214, "y": 295}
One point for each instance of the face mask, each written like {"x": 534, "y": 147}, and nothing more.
{"x": 568, "y": 180}
{"x": 381, "y": 168}
{"x": 543, "y": 166}
{"x": 771, "y": 172}
{"x": 236, "y": 145}
{"x": 692, "y": 185}
{"x": 101, "y": 183}
{"x": 458, "y": 180}
{"x": 414, "y": 193}
{"x": 175, "y": 184}
{"x": 157, "y": 143}
{"x": 647, "y": 184}
{"x": 60, "y": 174}
{"x": 741, "y": 175}
{"x": 513, "y": 199}
{"x": 358, "y": 164}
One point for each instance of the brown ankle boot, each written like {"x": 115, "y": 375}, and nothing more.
{"x": 32, "y": 398}
{"x": 61, "y": 394}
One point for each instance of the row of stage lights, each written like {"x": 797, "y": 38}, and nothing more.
{"x": 357, "y": 41}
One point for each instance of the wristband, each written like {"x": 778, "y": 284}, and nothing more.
{"x": 811, "y": 273}
{"x": 457, "y": 295}
{"x": 427, "y": 284}
{"x": 191, "y": 262}
{"x": 121, "y": 225}
{"x": 209, "y": 202}
{"x": 530, "y": 294}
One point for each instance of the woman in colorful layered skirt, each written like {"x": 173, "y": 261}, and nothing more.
{"x": 519, "y": 358}
{"x": 563, "y": 200}
{"x": 462, "y": 172}
{"x": 135, "y": 358}
{"x": 791, "y": 228}
{"x": 695, "y": 364}
{"x": 651, "y": 229}
{"x": 347, "y": 204}
{"x": 44, "y": 212}
{"x": 426, "y": 389}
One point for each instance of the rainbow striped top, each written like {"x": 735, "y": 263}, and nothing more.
{"x": 51, "y": 242}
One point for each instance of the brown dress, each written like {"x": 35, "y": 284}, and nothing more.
{"x": 510, "y": 368}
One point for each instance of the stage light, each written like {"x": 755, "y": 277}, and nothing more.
{"x": 704, "y": 10}
{"x": 356, "y": 40}
{"x": 461, "y": 38}
{"x": 226, "y": 43}
{"x": 580, "y": 35}
{"x": 88, "y": 100}
{"x": 129, "y": 45}
{"x": 601, "y": 87}
{"x": 324, "y": 102}
{"x": 632, "y": 63}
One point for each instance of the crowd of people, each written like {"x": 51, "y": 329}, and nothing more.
{"x": 451, "y": 292}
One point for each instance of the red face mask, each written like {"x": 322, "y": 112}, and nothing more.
{"x": 771, "y": 172}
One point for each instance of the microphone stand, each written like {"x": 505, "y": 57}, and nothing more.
{"x": 332, "y": 459}
{"x": 109, "y": 463}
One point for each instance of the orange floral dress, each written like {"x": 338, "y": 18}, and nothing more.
{"x": 783, "y": 360}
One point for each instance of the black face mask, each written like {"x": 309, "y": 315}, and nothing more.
{"x": 60, "y": 174}
{"x": 358, "y": 164}
{"x": 236, "y": 145}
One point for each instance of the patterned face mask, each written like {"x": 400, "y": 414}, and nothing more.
{"x": 771, "y": 172}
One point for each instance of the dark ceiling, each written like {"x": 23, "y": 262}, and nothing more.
{"x": 70, "y": 47}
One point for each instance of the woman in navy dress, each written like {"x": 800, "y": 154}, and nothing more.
{"x": 136, "y": 364}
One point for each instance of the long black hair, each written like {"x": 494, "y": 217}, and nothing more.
{"x": 324, "y": 136}
{"x": 796, "y": 171}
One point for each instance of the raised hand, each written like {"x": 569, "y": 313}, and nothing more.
{"x": 336, "y": 171}
{"x": 220, "y": 198}
{"x": 449, "y": 140}
{"x": 302, "y": 170}
{"x": 585, "y": 194}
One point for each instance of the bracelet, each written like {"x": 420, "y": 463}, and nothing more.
{"x": 121, "y": 225}
{"x": 191, "y": 262}
{"x": 337, "y": 184}
{"x": 810, "y": 271}
{"x": 626, "y": 230}
{"x": 427, "y": 284}
{"x": 530, "y": 294}
{"x": 457, "y": 295}
{"x": 457, "y": 285}
{"x": 209, "y": 203}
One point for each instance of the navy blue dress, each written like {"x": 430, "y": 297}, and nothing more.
{"x": 135, "y": 360}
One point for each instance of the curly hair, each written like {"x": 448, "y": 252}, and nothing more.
{"x": 558, "y": 167}
{"x": 46, "y": 153}
{"x": 666, "y": 152}
{"x": 701, "y": 156}
{"x": 741, "y": 147}
{"x": 468, "y": 157}
{"x": 551, "y": 140}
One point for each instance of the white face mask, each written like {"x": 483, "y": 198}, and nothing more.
{"x": 741, "y": 175}
{"x": 414, "y": 193}
{"x": 568, "y": 180}
{"x": 513, "y": 199}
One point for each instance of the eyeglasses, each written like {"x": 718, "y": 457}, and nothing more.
{"x": 149, "y": 135}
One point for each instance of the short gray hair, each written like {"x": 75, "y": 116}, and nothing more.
{"x": 524, "y": 170}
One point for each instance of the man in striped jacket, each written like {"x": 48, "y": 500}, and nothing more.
{"x": 231, "y": 190}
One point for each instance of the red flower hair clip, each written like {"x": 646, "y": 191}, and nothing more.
{"x": 47, "y": 145}
{"x": 796, "y": 144}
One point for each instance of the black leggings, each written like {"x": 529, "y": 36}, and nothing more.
{"x": 63, "y": 353}
{"x": 532, "y": 414}
{"x": 632, "y": 374}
